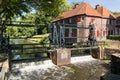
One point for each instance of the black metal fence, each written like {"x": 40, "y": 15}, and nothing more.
{"x": 27, "y": 52}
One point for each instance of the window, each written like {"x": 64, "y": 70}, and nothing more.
{"x": 63, "y": 21}
{"x": 82, "y": 18}
{"x": 66, "y": 32}
{"x": 74, "y": 32}
{"x": 104, "y": 33}
{"x": 98, "y": 33}
{"x": 109, "y": 21}
{"x": 70, "y": 20}
{"x": 79, "y": 19}
{"x": 66, "y": 21}
{"x": 58, "y": 22}
{"x": 92, "y": 20}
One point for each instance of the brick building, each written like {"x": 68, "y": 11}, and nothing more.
{"x": 117, "y": 28}
{"x": 84, "y": 15}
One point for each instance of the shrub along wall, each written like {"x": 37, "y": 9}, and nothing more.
{"x": 114, "y": 37}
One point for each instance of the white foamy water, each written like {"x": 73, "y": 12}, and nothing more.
{"x": 44, "y": 65}
{"x": 81, "y": 59}
{"x": 40, "y": 65}
{"x": 46, "y": 70}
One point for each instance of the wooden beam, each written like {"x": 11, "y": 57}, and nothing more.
{"x": 83, "y": 48}
{"x": 26, "y": 25}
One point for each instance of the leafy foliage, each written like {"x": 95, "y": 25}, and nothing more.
{"x": 116, "y": 12}
{"x": 114, "y": 37}
{"x": 46, "y": 11}
{"x": 17, "y": 32}
{"x": 12, "y": 8}
{"x": 74, "y": 4}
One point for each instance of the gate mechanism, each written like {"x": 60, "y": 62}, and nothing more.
{"x": 68, "y": 34}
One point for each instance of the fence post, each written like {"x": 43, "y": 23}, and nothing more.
{"x": 9, "y": 59}
{"x": 101, "y": 52}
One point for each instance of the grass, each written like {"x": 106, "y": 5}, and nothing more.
{"x": 38, "y": 38}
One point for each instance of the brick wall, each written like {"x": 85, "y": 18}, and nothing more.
{"x": 103, "y": 26}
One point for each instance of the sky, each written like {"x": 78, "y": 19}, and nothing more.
{"x": 112, "y": 5}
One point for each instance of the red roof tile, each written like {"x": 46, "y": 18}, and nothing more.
{"x": 105, "y": 12}
{"x": 84, "y": 8}
{"x": 117, "y": 15}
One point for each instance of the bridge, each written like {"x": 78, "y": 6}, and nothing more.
{"x": 23, "y": 24}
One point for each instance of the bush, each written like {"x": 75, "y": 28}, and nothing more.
{"x": 45, "y": 40}
{"x": 114, "y": 37}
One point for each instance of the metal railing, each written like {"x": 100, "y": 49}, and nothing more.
{"x": 27, "y": 52}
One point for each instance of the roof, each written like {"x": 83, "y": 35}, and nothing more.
{"x": 105, "y": 12}
{"x": 117, "y": 15}
{"x": 84, "y": 8}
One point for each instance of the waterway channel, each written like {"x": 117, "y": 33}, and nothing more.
{"x": 81, "y": 68}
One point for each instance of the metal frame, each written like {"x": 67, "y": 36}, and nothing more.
{"x": 59, "y": 33}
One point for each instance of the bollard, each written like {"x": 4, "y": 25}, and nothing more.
{"x": 101, "y": 52}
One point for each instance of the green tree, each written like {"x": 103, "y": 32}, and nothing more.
{"x": 116, "y": 12}
{"x": 47, "y": 10}
{"x": 10, "y": 9}
{"x": 74, "y": 4}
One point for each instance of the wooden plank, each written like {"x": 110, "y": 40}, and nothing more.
{"x": 83, "y": 48}
{"x": 40, "y": 52}
{"x": 16, "y": 48}
{"x": 25, "y": 25}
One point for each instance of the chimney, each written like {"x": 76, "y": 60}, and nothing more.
{"x": 96, "y": 7}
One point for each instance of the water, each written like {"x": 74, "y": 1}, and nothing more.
{"x": 19, "y": 41}
{"x": 81, "y": 68}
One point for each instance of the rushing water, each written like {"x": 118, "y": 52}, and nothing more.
{"x": 81, "y": 68}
